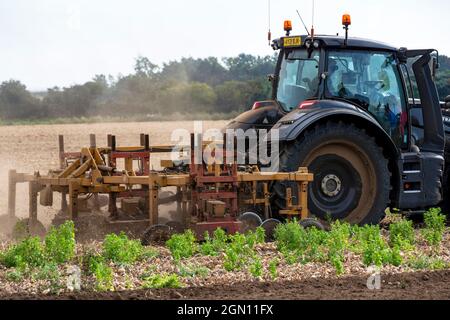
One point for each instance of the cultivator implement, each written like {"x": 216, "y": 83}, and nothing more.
{"x": 208, "y": 195}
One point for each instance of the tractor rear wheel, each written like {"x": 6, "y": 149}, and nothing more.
{"x": 351, "y": 175}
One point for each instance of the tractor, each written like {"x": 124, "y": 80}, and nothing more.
{"x": 365, "y": 118}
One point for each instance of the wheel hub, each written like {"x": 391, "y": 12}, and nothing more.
{"x": 331, "y": 185}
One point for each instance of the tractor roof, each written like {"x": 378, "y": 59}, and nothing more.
{"x": 336, "y": 41}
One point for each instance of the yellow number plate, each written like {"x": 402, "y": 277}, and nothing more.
{"x": 293, "y": 42}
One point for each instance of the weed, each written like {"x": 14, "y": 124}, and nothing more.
{"x": 27, "y": 253}
{"x": 337, "y": 243}
{"x": 119, "y": 249}
{"x": 60, "y": 243}
{"x": 434, "y": 227}
{"x": 15, "y": 275}
{"x": 182, "y": 245}
{"x": 273, "y": 264}
{"x": 256, "y": 268}
{"x": 158, "y": 281}
{"x": 191, "y": 271}
{"x": 102, "y": 273}
{"x": 48, "y": 272}
{"x": 402, "y": 234}
{"x": 423, "y": 262}
{"x": 375, "y": 249}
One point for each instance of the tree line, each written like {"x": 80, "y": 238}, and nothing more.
{"x": 187, "y": 86}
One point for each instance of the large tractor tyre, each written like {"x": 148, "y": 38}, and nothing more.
{"x": 351, "y": 175}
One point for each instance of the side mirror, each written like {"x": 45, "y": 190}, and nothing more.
{"x": 271, "y": 77}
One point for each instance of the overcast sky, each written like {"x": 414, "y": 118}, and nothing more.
{"x": 62, "y": 42}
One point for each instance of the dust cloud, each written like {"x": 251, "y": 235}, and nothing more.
{"x": 29, "y": 149}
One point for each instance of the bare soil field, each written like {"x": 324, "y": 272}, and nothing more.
{"x": 409, "y": 286}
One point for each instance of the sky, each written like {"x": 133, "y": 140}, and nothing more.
{"x": 47, "y": 43}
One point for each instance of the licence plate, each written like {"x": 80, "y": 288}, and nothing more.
{"x": 292, "y": 42}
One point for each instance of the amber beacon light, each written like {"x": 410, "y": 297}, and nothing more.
{"x": 346, "y": 20}
{"x": 288, "y": 27}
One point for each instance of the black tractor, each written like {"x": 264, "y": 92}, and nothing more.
{"x": 365, "y": 118}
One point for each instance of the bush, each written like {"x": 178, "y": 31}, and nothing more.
{"x": 60, "y": 243}
{"x": 159, "y": 281}
{"x": 182, "y": 245}
{"x": 434, "y": 226}
{"x": 28, "y": 253}
{"x": 119, "y": 249}
{"x": 402, "y": 234}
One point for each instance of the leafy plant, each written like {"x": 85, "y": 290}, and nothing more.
{"x": 273, "y": 264}
{"x": 256, "y": 268}
{"x": 434, "y": 227}
{"x": 119, "y": 249}
{"x": 15, "y": 275}
{"x": 402, "y": 234}
{"x": 102, "y": 273}
{"x": 48, "y": 272}
{"x": 28, "y": 253}
{"x": 192, "y": 271}
{"x": 60, "y": 243}
{"x": 159, "y": 281}
{"x": 182, "y": 245}
{"x": 423, "y": 262}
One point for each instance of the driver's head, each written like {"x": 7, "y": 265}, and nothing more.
{"x": 332, "y": 66}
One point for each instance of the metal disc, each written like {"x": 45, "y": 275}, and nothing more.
{"x": 269, "y": 227}
{"x": 250, "y": 221}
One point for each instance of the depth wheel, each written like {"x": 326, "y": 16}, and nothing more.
{"x": 269, "y": 227}
{"x": 351, "y": 175}
{"x": 312, "y": 223}
{"x": 156, "y": 235}
{"x": 250, "y": 222}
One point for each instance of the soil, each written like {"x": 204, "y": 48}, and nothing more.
{"x": 417, "y": 286}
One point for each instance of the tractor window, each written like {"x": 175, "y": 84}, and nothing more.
{"x": 299, "y": 79}
{"x": 371, "y": 80}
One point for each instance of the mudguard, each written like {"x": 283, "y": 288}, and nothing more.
{"x": 295, "y": 123}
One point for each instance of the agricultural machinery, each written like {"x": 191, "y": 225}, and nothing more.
{"x": 365, "y": 118}
{"x": 360, "y": 129}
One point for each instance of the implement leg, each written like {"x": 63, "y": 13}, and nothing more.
{"x": 73, "y": 200}
{"x": 33, "y": 208}
{"x": 113, "y": 213}
{"x": 12, "y": 190}
{"x": 153, "y": 199}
